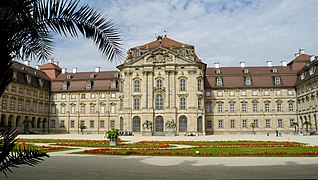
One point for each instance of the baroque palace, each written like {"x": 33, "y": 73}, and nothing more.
{"x": 160, "y": 86}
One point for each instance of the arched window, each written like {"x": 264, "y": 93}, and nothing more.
{"x": 183, "y": 124}
{"x": 182, "y": 84}
{"x": 159, "y": 102}
{"x": 136, "y": 124}
{"x": 136, "y": 85}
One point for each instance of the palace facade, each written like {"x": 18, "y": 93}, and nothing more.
{"x": 163, "y": 88}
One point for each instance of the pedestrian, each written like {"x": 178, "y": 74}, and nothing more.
{"x": 276, "y": 133}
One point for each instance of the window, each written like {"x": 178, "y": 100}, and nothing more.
{"x": 291, "y": 123}
{"x": 267, "y": 123}
{"x": 13, "y": 89}
{"x": 200, "y": 85}
{"x": 291, "y": 106}
{"x": 209, "y": 124}
{"x": 232, "y": 123}
{"x": 244, "y": 123}
{"x": 72, "y": 124}
{"x": 82, "y": 109}
{"x": 92, "y": 109}
{"x": 266, "y": 92}
{"x": 113, "y": 95}
{"x": 82, "y": 96}
{"x": 290, "y": 92}
{"x": 208, "y": 107}
{"x": 279, "y": 107}
{"x": 244, "y": 107}
{"x": 199, "y": 103}
{"x": 62, "y": 109}
{"x": 121, "y": 104}
{"x": 220, "y": 107}
{"x": 28, "y": 91}
{"x": 255, "y": 107}
{"x": 159, "y": 102}
{"x": 89, "y": 84}
{"x": 183, "y": 103}
{"x": 34, "y": 107}
{"x": 112, "y": 109}
{"x": 102, "y": 124}
{"x": 82, "y": 122}
{"x": 72, "y": 109}
{"x": 182, "y": 85}
{"x": 219, "y": 81}
{"x": 159, "y": 84}
{"x": 220, "y": 124}
{"x": 102, "y": 109}
{"x": 279, "y": 123}
{"x": 62, "y": 124}
{"x": 12, "y": 104}
{"x": 40, "y": 108}
{"x": 243, "y": 92}
{"x": 232, "y": 93}
{"x": 267, "y": 107}
{"x": 20, "y": 105}
{"x": 255, "y": 123}
{"x": 232, "y": 107}
{"x": 136, "y": 103}
{"x": 93, "y": 95}
{"x": 4, "y": 103}
{"x": 278, "y": 92}
{"x": 277, "y": 80}
{"x": 20, "y": 90}
{"x": 219, "y": 93}
{"x": 112, "y": 124}
{"x": 91, "y": 124}
{"x": 53, "y": 109}
{"x": 248, "y": 81}
{"x": 103, "y": 95}
{"x": 254, "y": 92}
{"x": 208, "y": 93}
{"x": 73, "y": 96}
{"x": 45, "y": 108}
{"x": 136, "y": 86}
{"x": 27, "y": 106}
{"x": 35, "y": 93}
{"x": 52, "y": 124}
{"x": 63, "y": 96}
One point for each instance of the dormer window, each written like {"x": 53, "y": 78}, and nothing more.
{"x": 65, "y": 85}
{"x": 219, "y": 81}
{"x": 15, "y": 75}
{"x": 245, "y": 71}
{"x": 28, "y": 78}
{"x": 277, "y": 80}
{"x": 89, "y": 85}
{"x": 303, "y": 76}
{"x": 69, "y": 77}
{"x": 116, "y": 75}
{"x": 113, "y": 85}
{"x": 274, "y": 71}
{"x": 92, "y": 76}
{"x": 41, "y": 83}
{"x": 247, "y": 81}
{"x": 312, "y": 70}
{"x": 218, "y": 71}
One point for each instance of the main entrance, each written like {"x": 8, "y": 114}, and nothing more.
{"x": 159, "y": 122}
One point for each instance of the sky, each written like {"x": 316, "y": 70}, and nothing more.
{"x": 227, "y": 32}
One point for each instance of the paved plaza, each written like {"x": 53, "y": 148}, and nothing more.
{"x": 72, "y": 166}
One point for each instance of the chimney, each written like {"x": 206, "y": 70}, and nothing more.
{"x": 74, "y": 70}
{"x": 301, "y": 51}
{"x": 242, "y": 63}
{"x": 284, "y": 63}
{"x": 312, "y": 58}
{"x": 50, "y": 61}
{"x": 296, "y": 55}
{"x": 269, "y": 63}
{"x": 63, "y": 70}
{"x": 216, "y": 65}
{"x": 97, "y": 69}
{"x": 37, "y": 67}
{"x": 26, "y": 62}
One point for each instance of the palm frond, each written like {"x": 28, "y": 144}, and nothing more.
{"x": 13, "y": 158}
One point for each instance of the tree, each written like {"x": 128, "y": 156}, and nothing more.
{"x": 12, "y": 158}
{"x": 295, "y": 124}
{"x": 307, "y": 123}
{"x": 252, "y": 125}
{"x": 82, "y": 127}
{"x": 27, "y": 28}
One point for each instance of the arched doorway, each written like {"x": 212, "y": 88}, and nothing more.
{"x": 18, "y": 122}
{"x": 26, "y": 123}
{"x": 159, "y": 122}
{"x": 183, "y": 124}
{"x": 3, "y": 118}
{"x": 38, "y": 124}
{"x": 33, "y": 123}
{"x": 10, "y": 121}
{"x": 199, "y": 125}
{"x": 136, "y": 124}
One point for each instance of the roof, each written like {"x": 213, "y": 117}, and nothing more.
{"x": 166, "y": 43}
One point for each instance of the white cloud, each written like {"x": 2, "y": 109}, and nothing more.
{"x": 221, "y": 31}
